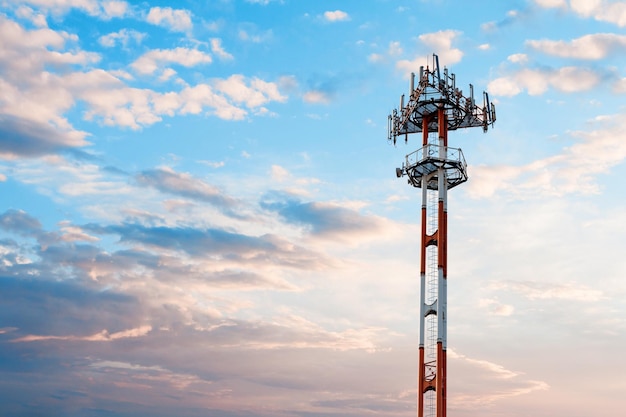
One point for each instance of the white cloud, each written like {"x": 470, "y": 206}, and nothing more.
{"x": 132, "y": 107}
{"x": 279, "y": 173}
{"x": 123, "y": 36}
{"x": 42, "y": 100}
{"x": 595, "y": 46}
{"x": 103, "y": 336}
{"x": 620, "y": 86}
{"x": 167, "y": 74}
{"x": 71, "y": 233}
{"x": 546, "y": 291}
{"x": 123, "y": 371}
{"x": 257, "y": 93}
{"x": 213, "y": 164}
{"x": 261, "y": 2}
{"x": 496, "y": 381}
{"x": 29, "y": 92}
{"x": 38, "y": 19}
{"x": 571, "y": 171}
{"x": 603, "y": 10}
{"x": 149, "y": 62}
{"x": 105, "y": 9}
{"x": 551, "y": 3}
{"x": 495, "y": 307}
{"x": 439, "y": 43}
{"x": 114, "y": 8}
{"x": 395, "y": 49}
{"x": 59, "y": 7}
{"x": 216, "y": 47}
{"x": 177, "y": 20}
{"x": 316, "y": 96}
{"x": 194, "y": 99}
{"x": 250, "y": 33}
{"x": 537, "y": 81}
{"x": 375, "y": 58}
{"x": 518, "y": 58}
{"x": 336, "y": 16}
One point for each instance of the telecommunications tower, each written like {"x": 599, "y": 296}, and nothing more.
{"x": 435, "y": 106}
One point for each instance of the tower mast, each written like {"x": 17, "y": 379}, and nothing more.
{"x": 435, "y": 106}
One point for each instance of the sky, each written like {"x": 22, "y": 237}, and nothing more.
{"x": 199, "y": 212}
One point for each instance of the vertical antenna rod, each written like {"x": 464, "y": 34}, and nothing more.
{"x": 435, "y": 106}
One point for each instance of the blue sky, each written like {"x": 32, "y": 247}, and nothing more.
{"x": 200, "y": 215}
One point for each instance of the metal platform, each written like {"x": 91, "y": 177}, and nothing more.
{"x": 426, "y": 161}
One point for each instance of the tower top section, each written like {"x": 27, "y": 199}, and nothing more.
{"x": 435, "y": 90}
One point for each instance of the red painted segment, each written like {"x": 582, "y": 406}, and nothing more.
{"x": 440, "y": 381}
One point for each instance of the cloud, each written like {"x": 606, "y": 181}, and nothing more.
{"x": 27, "y": 94}
{"x": 316, "y": 97}
{"x": 495, "y": 307}
{"x": 511, "y": 17}
{"x": 552, "y": 3}
{"x": 336, "y": 16}
{"x": 34, "y": 105}
{"x": 38, "y": 19}
{"x": 324, "y": 220}
{"x": 72, "y": 233}
{"x": 324, "y": 88}
{"x": 591, "y": 47}
{"x": 105, "y": 9}
{"x": 538, "y": 81}
{"x": 249, "y": 32}
{"x": 114, "y": 8}
{"x": 603, "y": 10}
{"x": 176, "y": 20}
{"x": 439, "y": 43}
{"x": 228, "y": 246}
{"x": 292, "y": 331}
{"x": 27, "y": 138}
{"x": 263, "y": 2}
{"x": 213, "y": 164}
{"x": 518, "y": 58}
{"x": 495, "y": 381}
{"x": 279, "y": 173}
{"x": 149, "y": 62}
{"x": 123, "y": 36}
{"x": 534, "y": 290}
{"x": 103, "y": 336}
{"x": 48, "y": 304}
{"x": 132, "y": 107}
{"x": 184, "y": 185}
{"x": 18, "y": 221}
{"x": 217, "y": 49}
{"x": 570, "y": 172}
{"x": 253, "y": 94}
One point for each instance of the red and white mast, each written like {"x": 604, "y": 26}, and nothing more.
{"x": 435, "y": 106}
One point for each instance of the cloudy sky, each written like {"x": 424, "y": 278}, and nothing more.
{"x": 199, "y": 214}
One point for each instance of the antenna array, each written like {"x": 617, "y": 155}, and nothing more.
{"x": 436, "y": 91}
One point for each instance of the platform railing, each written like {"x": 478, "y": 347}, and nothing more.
{"x": 437, "y": 153}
